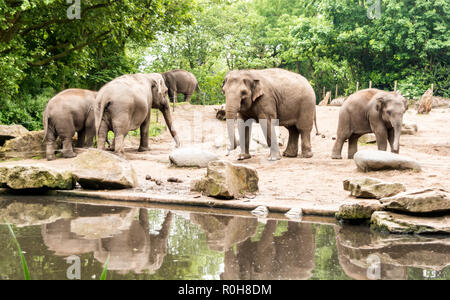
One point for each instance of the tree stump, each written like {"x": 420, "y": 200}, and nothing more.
{"x": 426, "y": 102}
{"x": 325, "y": 100}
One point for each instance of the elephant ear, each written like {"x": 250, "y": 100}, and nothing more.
{"x": 223, "y": 84}
{"x": 380, "y": 103}
{"x": 257, "y": 89}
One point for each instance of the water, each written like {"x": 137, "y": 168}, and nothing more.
{"x": 61, "y": 238}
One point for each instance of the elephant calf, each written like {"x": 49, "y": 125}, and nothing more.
{"x": 68, "y": 112}
{"x": 367, "y": 111}
{"x": 180, "y": 81}
{"x": 125, "y": 104}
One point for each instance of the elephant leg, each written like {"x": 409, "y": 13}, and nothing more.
{"x": 144, "y": 129}
{"x": 67, "y": 150}
{"x": 390, "y": 136}
{"x": 119, "y": 143}
{"x": 90, "y": 134}
{"x": 306, "y": 143}
{"x": 187, "y": 98}
{"x": 81, "y": 137}
{"x": 174, "y": 98}
{"x": 102, "y": 135}
{"x": 245, "y": 133}
{"x": 50, "y": 149}
{"x": 292, "y": 147}
{"x": 268, "y": 128}
{"x": 353, "y": 145}
{"x": 381, "y": 136}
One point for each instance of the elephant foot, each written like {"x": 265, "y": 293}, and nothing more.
{"x": 143, "y": 149}
{"x": 350, "y": 156}
{"x": 336, "y": 156}
{"x": 308, "y": 154}
{"x": 289, "y": 154}
{"x": 244, "y": 156}
{"x": 51, "y": 157}
{"x": 69, "y": 154}
{"x": 274, "y": 157}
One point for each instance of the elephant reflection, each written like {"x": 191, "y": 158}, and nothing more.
{"x": 365, "y": 254}
{"x": 289, "y": 256}
{"x": 126, "y": 240}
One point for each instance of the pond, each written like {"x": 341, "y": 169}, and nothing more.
{"x": 64, "y": 239}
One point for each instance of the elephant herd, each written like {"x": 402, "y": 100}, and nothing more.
{"x": 271, "y": 97}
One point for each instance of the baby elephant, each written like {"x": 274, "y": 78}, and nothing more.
{"x": 366, "y": 111}
{"x": 68, "y": 112}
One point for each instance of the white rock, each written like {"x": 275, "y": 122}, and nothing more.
{"x": 191, "y": 157}
{"x": 372, "y": 160}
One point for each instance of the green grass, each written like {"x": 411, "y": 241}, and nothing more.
{"x": 26, "y": 272}
{"x": 105, "y": 269}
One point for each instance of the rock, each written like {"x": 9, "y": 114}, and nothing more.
{"x": 97, "y": 169}
{"x": 29, "y": 145}
{"x": 368, "y": 138}
{"x": 372, "y": 188}
{"x": 260, "y": 211}
{"x": 425, "y": 103}
{"x": 294, "y": 213}
{"x": 373, "y": 160}
{"x": 396, "y": 223}
{"x": 192, "y": 157}
{"x": 420, "y": 201}
{"x": 325, "y": 100}
{"x": 440, "y": 102}
{"x": 409, "y": 128}
{"x": 227, "y": 181}
{"x": 8, "y": 132}
{"x": 35, "y": 177}
{"x": 337, "y": 102}
{"x": 174, "y": 179}
{"x": 357, "y": 211}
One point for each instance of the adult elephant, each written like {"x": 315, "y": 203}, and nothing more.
{"x": 125, "y": 104}
{"x": 270, "y": 96}
{"x": 68, "y": 112}
{"x": 180, "y": 82}
{"x": 370, "y": 110}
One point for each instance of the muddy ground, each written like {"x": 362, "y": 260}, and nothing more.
{"x": 309, "y": 183}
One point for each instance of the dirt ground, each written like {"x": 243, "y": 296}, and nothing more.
{"x": 313, "y": 182}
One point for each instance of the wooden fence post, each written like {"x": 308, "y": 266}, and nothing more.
{"x": 357, "y": 86}
{"x": 395, "y": 86}
{"x": 336, "y": 94}
{"x": 370, "y": 84}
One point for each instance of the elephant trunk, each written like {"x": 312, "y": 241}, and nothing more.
{"x": 231, "y": 116}
{"x": 397, "y": 125}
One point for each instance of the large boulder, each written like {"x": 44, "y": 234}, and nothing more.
{"x": 227, "y": 181}
{"x": 28, "y": 145}
{"x": 35, "y": 177}
{"x": 97, "y": 169}
{"x": 372, "y": 188}
{"x": 420, "y": 201}
{"x": 191, "y": 157}
{"x": 396, "y": 223}
{"x": 373, "y": 160}
{"x": 368, "y": 138}
{"x": 357, "y": 211}
{"x": 8, "y": 132}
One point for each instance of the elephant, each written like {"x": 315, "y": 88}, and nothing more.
{"x": 370, "y": 110}
{"x": 270, "y": 96}
{"x": 125, "y": 104}
{"x": 70, "y": 111}
{"x": 180, "y": 81}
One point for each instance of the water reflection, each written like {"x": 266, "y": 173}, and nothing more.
{"x": 159, "y": 244}
{"x": 364, "y": 254}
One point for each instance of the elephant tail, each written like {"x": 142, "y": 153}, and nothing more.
{"x": 315, "y": 122}
{"x": 99, "y": 108}
{"x": 45, "y": 119}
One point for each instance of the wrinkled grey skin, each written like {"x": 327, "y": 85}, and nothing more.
{"x": 270, "y": 94}
{"x": 366, "y": 111}
{"x": 68, "y": 112}
{"x": 180, "y": 82}
{"x": 125, "y": 104}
